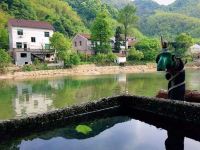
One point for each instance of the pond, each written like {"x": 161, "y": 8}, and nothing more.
{"x": 30, "y": 97}
{"x": 112, "y": 133}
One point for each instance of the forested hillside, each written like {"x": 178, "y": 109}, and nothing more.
{"x": 59, "y": 13}
{"x": 72, "y": 16}
{"x": 117, "y": 3}
{"x": 88, "y": 9}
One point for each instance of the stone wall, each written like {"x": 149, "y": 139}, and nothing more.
{"x": 174, "y": 110}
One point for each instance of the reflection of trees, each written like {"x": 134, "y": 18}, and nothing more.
{"x": 194, "y": 80}
{"x": 77, "y": 91}
{"x": 146, "y": 84}
{"x": 69, "y": 132}
{"x": 7, "y": 92}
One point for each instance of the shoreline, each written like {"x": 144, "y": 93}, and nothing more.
{"x": 80, "y": 70}
{"x": 83, "y": 70}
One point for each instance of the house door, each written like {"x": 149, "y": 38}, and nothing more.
{"x": 25, "y": 46}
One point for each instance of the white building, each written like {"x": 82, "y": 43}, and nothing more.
{"x": 29, "y": 39}
{"x": 195, "y": 51}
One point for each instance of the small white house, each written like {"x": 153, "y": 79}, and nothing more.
{"x": 121, "y": 58}
{"x": 29, "y": 39}
{"x": 195, "y": 51}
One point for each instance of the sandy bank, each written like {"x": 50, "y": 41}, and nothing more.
{"x": 81, "y": 70}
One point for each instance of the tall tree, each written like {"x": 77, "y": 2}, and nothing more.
{"x": 3, "y": 39}
{"x": 61, "y": 44}
{"x": 182, "y": 43}
{"x": 118, "y": 39}
{"x": 101, "y": 33}
{"x": 127, "y": 17}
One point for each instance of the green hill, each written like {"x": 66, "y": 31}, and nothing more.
{"x": 58, "y": 13}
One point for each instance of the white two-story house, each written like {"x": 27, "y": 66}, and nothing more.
{"x": 29, "y": 39}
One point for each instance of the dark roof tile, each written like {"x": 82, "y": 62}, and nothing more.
{"x": 30, "y": 24}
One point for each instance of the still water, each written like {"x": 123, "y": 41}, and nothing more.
{"x": 114, "y": 133}
{"x": 30, "y": 97}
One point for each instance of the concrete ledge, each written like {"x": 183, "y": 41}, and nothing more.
{"x": 120, "y": 105}
{"x": 188, "y": 112}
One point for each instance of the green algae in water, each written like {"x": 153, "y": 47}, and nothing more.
{"x": 84, "y": 129}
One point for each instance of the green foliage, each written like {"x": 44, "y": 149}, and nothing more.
{"x": 171, "y": 24}
{"x": 21, "y": 9}
{"x": 61, "y": 44}
{"x": 127, "y": 18}
{"x": 183, "y": 42}
{"x": 134, "y": 54}
{"x": 37, "y": 65}
{"x": 3, "y": 39}
{"x": 71, "y": 59}
{"x": 118, "y": 39}
{"x": 84, "y": 129}
{"x": 88, "y": 9}
{"x": 149, "y": 47}
{"x": 117, "y": 3}
{"x": 104, "y": 59}
{"x": 134, "y": 32}
{"x": 101, "y": 33}
{"x": 57, "y": 12}
{"x": 5, "y": 59}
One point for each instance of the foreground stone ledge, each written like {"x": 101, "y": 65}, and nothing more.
{"x": 123, "y": 105}
{"x": 180, "y": 110}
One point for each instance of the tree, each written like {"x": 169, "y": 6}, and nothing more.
{"x": 182, "y": 43}
{"x": 149, "y": 47}
{"x": 61, "y": 44}
{"x": 5, "y": 59}
{"x": 101, "y": 33}
{"x": 118, "y": 39}
{"x": 135, "y": 55}
{"x": 3, "y": 39}
{"x": 128, "y": 18}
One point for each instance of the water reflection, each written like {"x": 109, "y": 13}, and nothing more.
{"x": 22, "y": 98}
{"x": 28, "y": 103}
{"x": 175, "y": 141}
{"x": 115, "y": 133}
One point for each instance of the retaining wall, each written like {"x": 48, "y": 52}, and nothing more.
{"x": 175, "y": 110}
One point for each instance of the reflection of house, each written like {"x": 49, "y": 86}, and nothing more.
{"x": 195, "y": 51}
{"x": 29, "y": 40}
{"x": 82, "y": 43}
{"x": 28, "y": 103}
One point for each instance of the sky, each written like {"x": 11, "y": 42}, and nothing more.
{"x": 164, "y": 2}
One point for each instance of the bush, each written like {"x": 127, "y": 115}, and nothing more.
{"x": 28, "y": 68}
{"x": 5, "y": 59}
{"x": 135, "y": 55}
{"x": 37, "y": 65}
{"x": 71, "y": 59}
{"x": 104, "y": 59}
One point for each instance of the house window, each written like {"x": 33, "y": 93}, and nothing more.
{"x": 46, "y": 34}
{"x": 19, "y": 45}
{"x": 48, "y": 55}
{"x": 47, "y": 46}
{"x": 80, "y": 43}
{"x": 19, "y": 32}
{"x": 23, "y": 55}
{"x": 33, "y": 39}
{"x": 75, "y": 44}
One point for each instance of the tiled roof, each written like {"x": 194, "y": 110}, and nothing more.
{"x": 87, "y": 36}
{"x": 30, "y": 24}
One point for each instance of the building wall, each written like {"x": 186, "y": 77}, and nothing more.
{"x": 41, "y": 40}
{"x": 20, "y": 61}
{"x": 84, "y": 46}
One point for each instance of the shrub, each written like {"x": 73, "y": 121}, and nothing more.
{"x": 135, "y": 55}
{"x": 5, "y": 59}
{"x": 71, "y": 59}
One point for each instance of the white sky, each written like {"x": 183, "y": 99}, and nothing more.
{"x": 164, "y": 2}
